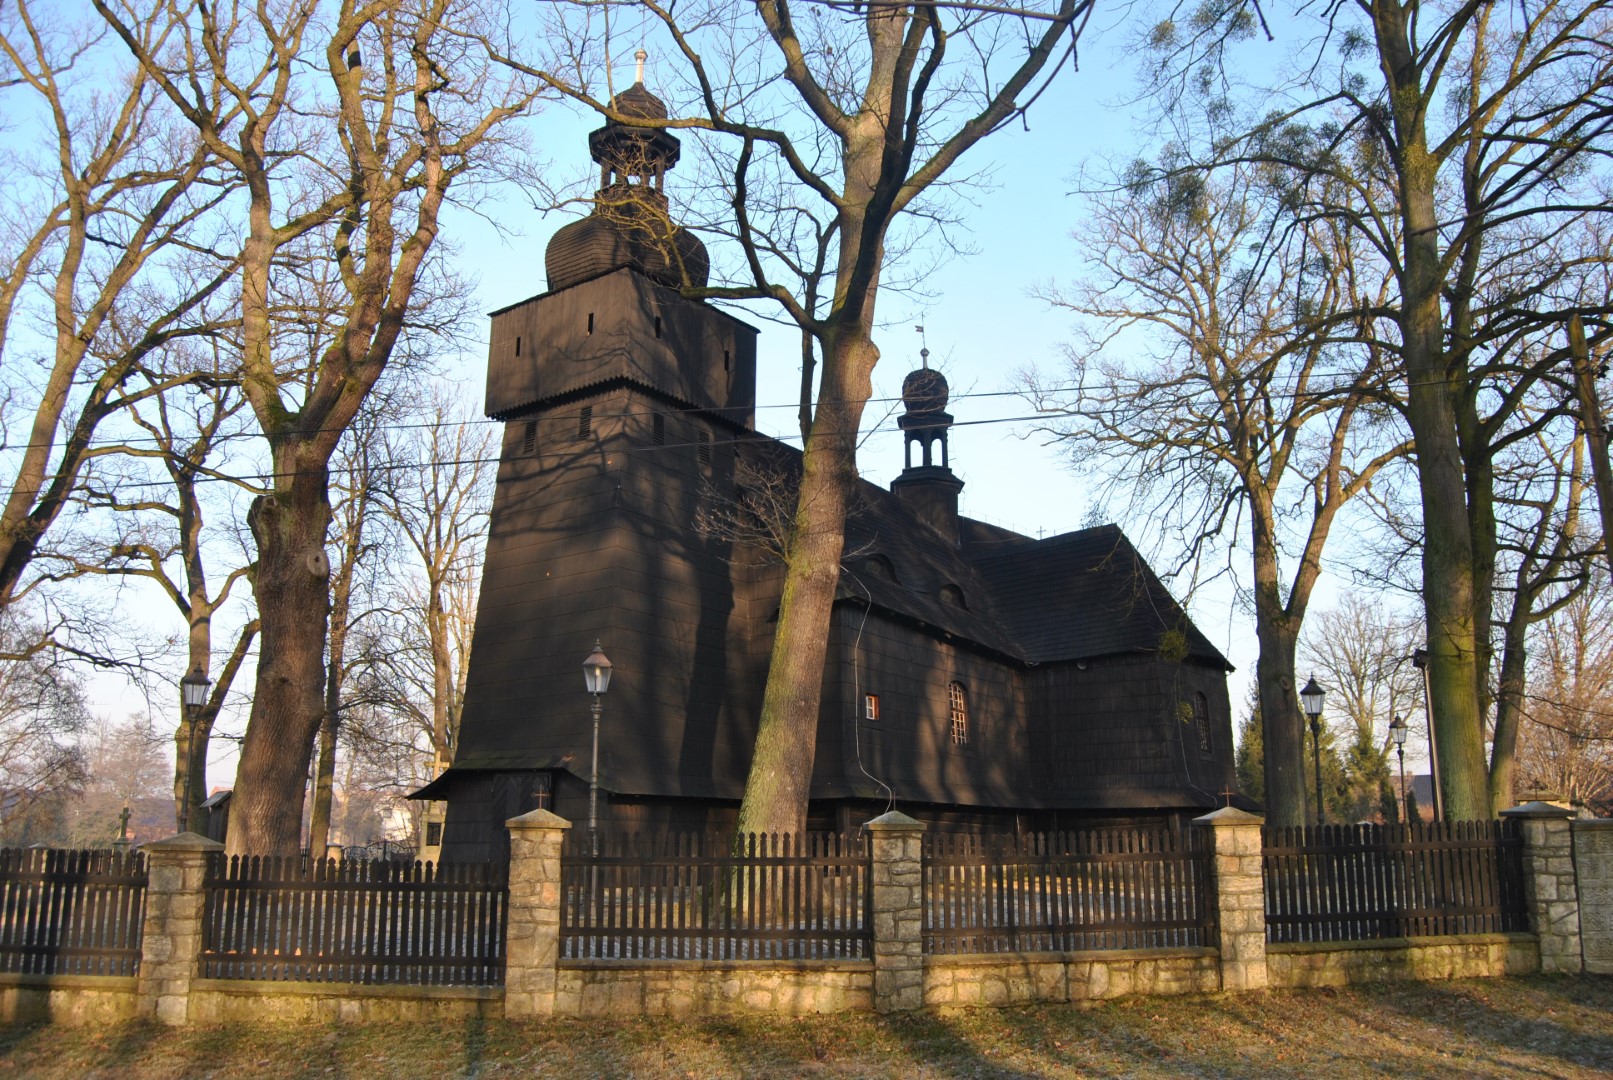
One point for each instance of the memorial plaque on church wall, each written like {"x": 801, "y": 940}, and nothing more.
{"x": 1593, "y": 861}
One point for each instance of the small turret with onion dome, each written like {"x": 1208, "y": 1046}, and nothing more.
{"x": 630, "y": 224}
{"x": 926, "y": 421}
{"x": 929, "y": 488}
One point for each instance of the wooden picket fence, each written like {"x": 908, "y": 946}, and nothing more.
{"x": 351, "y": 921}
{"x": 71, "y": 912}
{"x": 1370, "y": 882}
{"x": 1113, "y": 888}
{"x": 701, "y": 897}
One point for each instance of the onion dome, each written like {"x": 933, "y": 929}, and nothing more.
{"x": 631, "y": 224}
{"x": 925, "y": 391}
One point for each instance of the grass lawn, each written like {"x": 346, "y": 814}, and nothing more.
{"x": 1534, "y": 1027}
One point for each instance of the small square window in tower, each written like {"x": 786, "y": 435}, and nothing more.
{"x": 958, "y": 703}
{"x": 1201, "y": 721}
{"x": 585, "y": 422}
{"x": 658, "y": 429}
{"x": 703, "y": 449}
{"x": 529, "y": 437}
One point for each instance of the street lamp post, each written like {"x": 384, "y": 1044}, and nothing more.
{"x": 1419, "y": 660}
{"x": 1397, "y": 734}
{"x": 596, "y": 674}
{"x": 193, "y": 690}
{"x": 1310, "y": 697}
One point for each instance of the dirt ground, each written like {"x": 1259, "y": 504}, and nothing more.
{"x": 1535, "y": 1027}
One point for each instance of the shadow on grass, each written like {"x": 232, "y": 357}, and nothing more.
{"x": 1570, "y": 1019}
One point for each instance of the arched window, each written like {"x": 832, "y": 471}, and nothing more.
{"x": 958, "y": 703}
{"x": 1201, "y": 723}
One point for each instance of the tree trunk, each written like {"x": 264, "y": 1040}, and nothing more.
{"x": 293, "y": 597}
{"x": 1447, "y": 557}
{"x": 778, "y": 788}
{"x": 324, "y": 785}
{"x": 191, "y": 740}
{"x": 1282, "y": 727}
{"x": 1509, "y": 705}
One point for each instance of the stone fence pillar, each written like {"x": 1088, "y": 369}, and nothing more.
{"x": 898, "y": 882}
{"x": 1549, "y": 885}
{"x": 1593, "y": 861}
{"x": 171, "y": 943}
{"x": 532, "y": 944}
{"x": 1238, "y": 886}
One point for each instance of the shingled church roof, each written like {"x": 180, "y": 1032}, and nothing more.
{"x": 1075, "y": 596}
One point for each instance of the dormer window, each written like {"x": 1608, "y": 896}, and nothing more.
{"x": 954, "y": 596}
{"x": 880, "y": 567}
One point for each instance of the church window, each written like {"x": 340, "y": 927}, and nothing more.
{"x": 590, "y": 322}
{"x": 703, "y": 448}
{"x": 585, "y": 422}
{"x": 1201, "y": 723}
{"x": 727, "y": 360}
{"x": 871, "y": 707}
{"x": 659, "y": 424}
{"x": 434, "y": 834}
{"x": 958, "y": 703}
{"x": 517, "y": 344}
{"x": 529, "y": 437}
{"x": 658, "y": 326}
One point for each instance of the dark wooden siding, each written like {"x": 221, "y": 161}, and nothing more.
{"x": 559, "y": 355}
{"x": 910, "y": 748}
{"x": 1110, "y": 732}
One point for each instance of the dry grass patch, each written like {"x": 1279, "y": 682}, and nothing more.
{"x": 1536, "y": 1027}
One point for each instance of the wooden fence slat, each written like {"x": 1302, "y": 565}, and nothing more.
{"x": 62, "y": 912}
{"x": 1375, "y": 882}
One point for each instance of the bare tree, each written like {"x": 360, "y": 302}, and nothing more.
{"x": 164, "y": 540}
{"x": 362, "y": 547}
{"x": 437, "y": 497}
{"x": 42, "y": 715}
{"x": 346, "y": 129}
{"x": 1257, "y": 402}
{"x": 1566, "y": 741}
{"x": 1490, "y": 128}
{"x": 98, "y": 239}
{"x": 839, "y": 122}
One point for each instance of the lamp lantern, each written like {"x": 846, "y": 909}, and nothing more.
{"x": 193, "y": 689}
{"x": 1310, "y": 696}
{"x": 596, "y": 670}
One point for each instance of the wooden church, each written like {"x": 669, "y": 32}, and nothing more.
{"x": 976, "y": 678}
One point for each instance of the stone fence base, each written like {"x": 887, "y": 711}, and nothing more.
{"x": 75, "y": 1000}
{"x": 1344, "y": 963}
{"x": 713, "y": 988}
{"x": 1034, "y": 978}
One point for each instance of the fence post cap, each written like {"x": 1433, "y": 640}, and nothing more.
{"x": 1230, "y": 815}
{"x": 185, "y": 841}
{"x": 895, "y": 820}
{"x": 537, "y": 819}
{"x": 1538, "y": 810}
